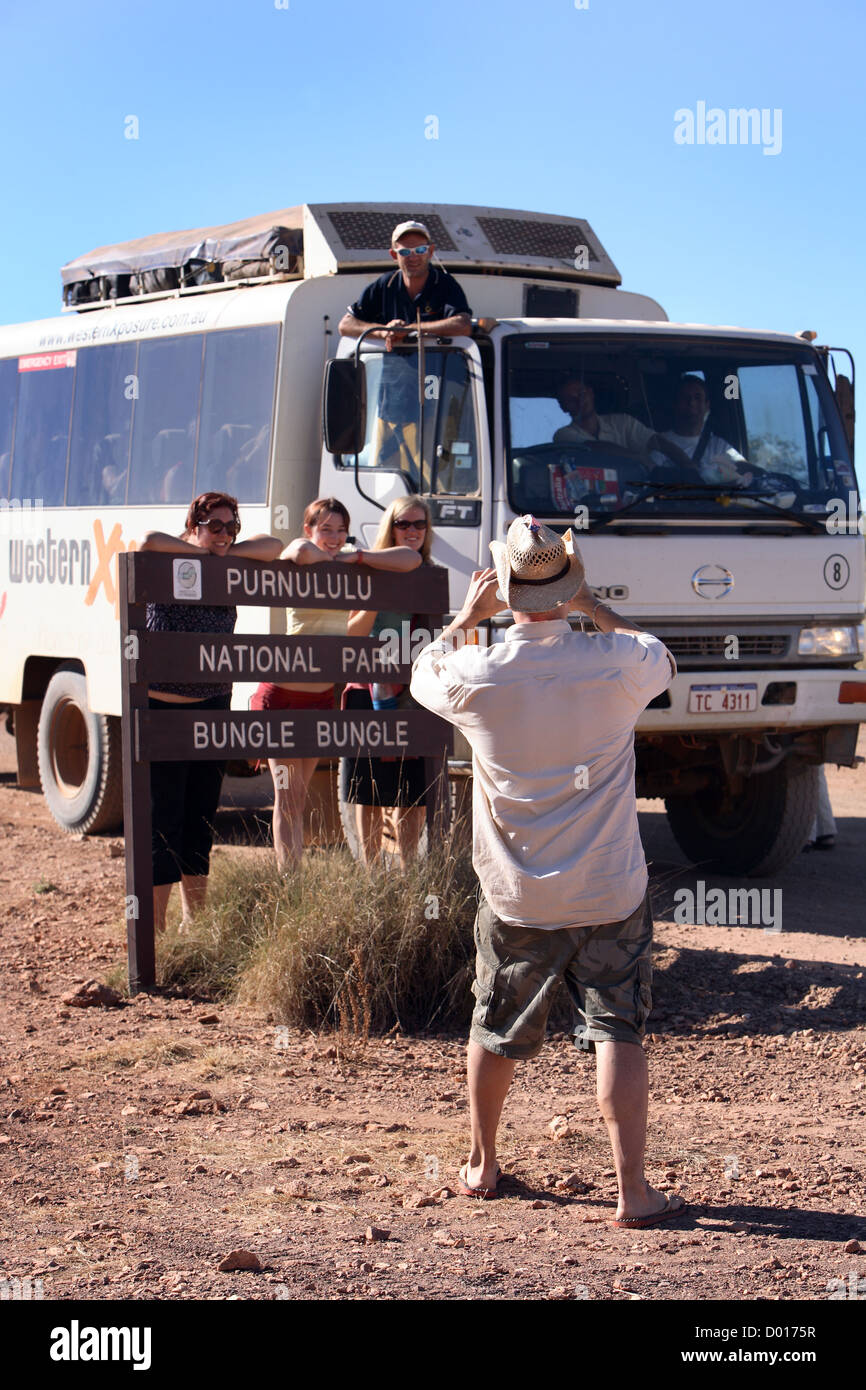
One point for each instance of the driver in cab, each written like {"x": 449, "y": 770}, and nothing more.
{"x": 711, "y": 458}
{"x": 577, "y": 398}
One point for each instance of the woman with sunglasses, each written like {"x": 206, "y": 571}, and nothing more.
{"x": 185, "y": 795}
{"x": 392, "y": 787}
{"x": 326, "y": 530}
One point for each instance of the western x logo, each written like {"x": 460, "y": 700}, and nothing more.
{"x": 49, "y": 561}
{"x": 71, "y": 561}
{"x": 76, "y": 1343}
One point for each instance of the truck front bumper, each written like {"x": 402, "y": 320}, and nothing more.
{"x": 812, "y": 698}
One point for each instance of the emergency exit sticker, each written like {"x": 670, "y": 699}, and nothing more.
{"x": 187, "y": 579}
{"x": 46, "y": 361}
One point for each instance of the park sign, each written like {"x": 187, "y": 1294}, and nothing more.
{"x": 180, "y": 734}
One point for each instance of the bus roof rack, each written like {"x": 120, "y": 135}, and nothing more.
{"x": 328, "y": 238}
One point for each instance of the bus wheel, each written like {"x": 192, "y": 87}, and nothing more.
{"x": 755, "y": 832}
{"x": 80, "y": 765}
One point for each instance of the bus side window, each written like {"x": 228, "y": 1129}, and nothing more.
{"x": 236, "y": 412}
{"x": 101, "y": 419}
{"x": 166, "y": 416}
{"x": 8, "y": 398}
{"x": 42, "y": 435}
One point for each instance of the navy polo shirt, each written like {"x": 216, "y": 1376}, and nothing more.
{"x": 387, "y": 298}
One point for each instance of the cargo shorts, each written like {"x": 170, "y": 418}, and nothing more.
{"x": 607, "y": 971}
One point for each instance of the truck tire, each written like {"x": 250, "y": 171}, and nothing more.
{"x": 756, "y": 833}
{"x": 80, "y": 761}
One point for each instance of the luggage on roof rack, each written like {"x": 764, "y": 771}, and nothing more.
{"x": 271, "y": 244}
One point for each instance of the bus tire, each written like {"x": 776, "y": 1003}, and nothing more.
{"x": 80, "y": 760}
{"x": 755, "y": 833}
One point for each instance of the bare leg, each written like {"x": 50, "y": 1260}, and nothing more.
{"x": 489, "y": 1079}
{"x": 292, "y": 777}
{"x": 368, "y": 823}
{"x": 161, "y": 894}
{"x": 193, "y": 893}
{"x": 408, "y": 823}
{"x": 622, "y": 1089}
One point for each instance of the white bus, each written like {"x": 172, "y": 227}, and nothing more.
{"x": 150, "y": 389}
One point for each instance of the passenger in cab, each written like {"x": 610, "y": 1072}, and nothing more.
{"x": 709, "y": 456}
{"x": 618, "y": 430}
{"x": 185, "y": 795}
{"x": 326, "y": 531}
{"x": 394, "y": 302}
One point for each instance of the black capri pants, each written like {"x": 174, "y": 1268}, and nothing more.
{"x": 183, "y": 799}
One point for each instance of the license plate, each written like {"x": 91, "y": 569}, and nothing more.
{"x": 722, "y": 699}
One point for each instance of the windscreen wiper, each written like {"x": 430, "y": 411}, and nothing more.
{"x": 720, "y": 494}
{"x": 606, "y": 518}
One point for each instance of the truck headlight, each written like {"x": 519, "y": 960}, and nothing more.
{"x": 831, "y": 641}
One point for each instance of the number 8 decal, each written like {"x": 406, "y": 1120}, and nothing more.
{"x": 837, "y": 571}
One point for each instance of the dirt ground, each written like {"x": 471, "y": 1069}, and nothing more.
{"x": 140, "y": 1144}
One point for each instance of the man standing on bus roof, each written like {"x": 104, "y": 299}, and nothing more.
{"x": 397, "y": 300}
{"x": 416, "y": 287}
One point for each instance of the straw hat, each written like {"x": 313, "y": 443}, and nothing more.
{"x": 537, "y": 568}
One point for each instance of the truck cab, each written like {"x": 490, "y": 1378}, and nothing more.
{"x": 707, "y": 475}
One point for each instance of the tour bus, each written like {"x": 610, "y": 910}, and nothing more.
{"x": 195, "y": 361}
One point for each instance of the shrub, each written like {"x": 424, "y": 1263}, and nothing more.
{"x": 335, "y": 943}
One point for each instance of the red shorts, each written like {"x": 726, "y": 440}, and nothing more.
{"x": 269, "y": 696}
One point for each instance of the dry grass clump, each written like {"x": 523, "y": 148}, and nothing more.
{"x": 335, "y": 944}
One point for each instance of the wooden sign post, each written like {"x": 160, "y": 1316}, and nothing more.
{"x": 218, "y": 658}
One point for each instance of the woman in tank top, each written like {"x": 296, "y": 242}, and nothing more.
{"x": 185, "y": 794}
{"x": 326, "y": 529}
{"x": 389, "y": 789}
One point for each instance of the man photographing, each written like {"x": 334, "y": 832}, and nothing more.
{"x": 550, "y": 715}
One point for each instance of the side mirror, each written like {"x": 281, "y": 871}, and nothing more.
{"x": 344, "y": 406}
{"x": 844, "y": 393}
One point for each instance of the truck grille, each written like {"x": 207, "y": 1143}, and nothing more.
{"x": 713, "y": 645}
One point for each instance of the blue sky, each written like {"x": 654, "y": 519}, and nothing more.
{"x": 244, "y": 107}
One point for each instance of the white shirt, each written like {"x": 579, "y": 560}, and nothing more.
{"x": 550, "y": 716}
{"x": 719, "y": 463}
{"x": 623, "y": 430}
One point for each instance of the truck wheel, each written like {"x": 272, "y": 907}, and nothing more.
{"x": 755, "y": 833}
{"x": 80, "y": 763}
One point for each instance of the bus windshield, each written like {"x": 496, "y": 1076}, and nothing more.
{"x": 598, "y": 426}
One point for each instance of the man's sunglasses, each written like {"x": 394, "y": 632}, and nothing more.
{"x": 412, "y": 250}
{"x": 216, "y": 527}
{"x": 404, "y": 525}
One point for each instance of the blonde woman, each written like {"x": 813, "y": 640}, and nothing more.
{"x": 392, "y": 787}
{"x": 326, "y": 530}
